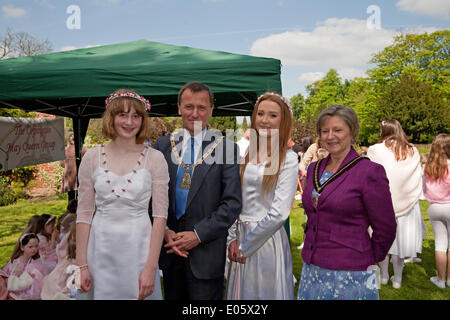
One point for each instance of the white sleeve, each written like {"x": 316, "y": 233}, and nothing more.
{"x": 86, "y": 191}
{"x": 157, "y": 166}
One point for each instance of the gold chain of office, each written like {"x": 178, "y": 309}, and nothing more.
{"x": 316, "y": 181}
{"x": 186, "y": 180}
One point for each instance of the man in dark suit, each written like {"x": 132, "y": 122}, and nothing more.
{"x": 204, "y": 200}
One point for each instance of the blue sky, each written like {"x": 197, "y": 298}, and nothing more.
{"x": 309, "y": 37}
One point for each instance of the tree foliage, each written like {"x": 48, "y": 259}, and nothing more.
{"x": 7, "y": 112}
{"x": 420, "y": 108}
{"x": 321, "y": 94}
{"x": 298, "y": 105}
{"x": 409, "y": 82}
{"x": 426, "y": 56}
{"x": 223, "y": 123}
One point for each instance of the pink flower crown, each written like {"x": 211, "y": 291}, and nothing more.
{"x": 128, "y": 94}
{"x": 285, "y": 100}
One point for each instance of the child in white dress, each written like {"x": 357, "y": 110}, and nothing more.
{"x": 118, "y": 248}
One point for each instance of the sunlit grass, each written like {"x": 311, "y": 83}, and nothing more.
{"x": 415, "y": 286}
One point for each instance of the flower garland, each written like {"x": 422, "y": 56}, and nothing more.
{"x": 284, "y": 99}
{"x": 128, "y": 95}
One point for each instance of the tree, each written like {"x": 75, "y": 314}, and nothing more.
{"x": 18, "y": 44}
{"x": 362, "y": 98}
{"x": 420, "y": 108}
{"x": 322, "y": 93}
{"x": 426, "y": 56}
{"x": 223, "y": 123}
{"x": 297, "y": 103}
{"x": 244, "y": 123}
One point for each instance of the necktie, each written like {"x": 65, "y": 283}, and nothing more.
{"x": 182, "y": 194}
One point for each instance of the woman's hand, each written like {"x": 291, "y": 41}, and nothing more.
{"x": 302, "y": 172}
{"x": 85, "y": 280}
{"x": 234, "y": 254}
{"x": 233, "y": 250}
{"x": 146, "y": 282}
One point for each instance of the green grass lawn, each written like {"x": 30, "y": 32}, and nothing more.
{"x": 416, "y": 284}
{"x": 14, "y": 218}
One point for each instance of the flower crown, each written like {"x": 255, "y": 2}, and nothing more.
{"x": 285, "y": 100}
{"x": 128, "y": 94}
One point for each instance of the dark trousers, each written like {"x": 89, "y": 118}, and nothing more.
{"x": 71, "y": 195}
{"x": 180, "y": 283}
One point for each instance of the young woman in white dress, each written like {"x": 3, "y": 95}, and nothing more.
{"x": 401, "y": 161}
{"x": 259, "y": 250}
{"x": 118, "y": 247}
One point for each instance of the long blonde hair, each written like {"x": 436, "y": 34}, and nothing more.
{"x": 436, "y": 166}
{"x": 270, "y": 180}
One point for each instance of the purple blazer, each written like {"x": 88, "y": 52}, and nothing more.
{"x": 336, "y": 235}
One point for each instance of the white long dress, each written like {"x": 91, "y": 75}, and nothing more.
{"x": 120, "y": 232}
{"x": 267, "y": 272}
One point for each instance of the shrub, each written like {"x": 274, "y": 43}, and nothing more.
{"x": 7, "y": 195}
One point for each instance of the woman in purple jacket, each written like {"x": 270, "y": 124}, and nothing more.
{"x": 344, "y": 195}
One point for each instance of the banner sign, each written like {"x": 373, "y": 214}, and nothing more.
{"x": 29, "y": 141}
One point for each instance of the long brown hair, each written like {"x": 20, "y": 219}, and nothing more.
{"x": 23, "y": 241}
{"x": 391, "y": 132}
{"x": 270, "y": 180}
{"x": 436, "y": 166}
{"x": 46, "y": 219}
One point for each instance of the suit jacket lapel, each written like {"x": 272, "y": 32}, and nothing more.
{"x": 329, "y": 189}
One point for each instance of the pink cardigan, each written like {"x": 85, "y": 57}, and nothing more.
{"x": 438, "y": 191}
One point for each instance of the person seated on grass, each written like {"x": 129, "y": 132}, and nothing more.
{"x": 25, "y": 271}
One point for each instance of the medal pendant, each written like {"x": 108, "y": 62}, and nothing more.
{"x": 315, "y": 200}
{"x": 186, "y": 181}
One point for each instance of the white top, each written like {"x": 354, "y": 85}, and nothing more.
{"x": 243, "y": 146}
{"x": 405, "y": 176}
{"x": 270, "y": 210}
{"x": 154, "y": 164}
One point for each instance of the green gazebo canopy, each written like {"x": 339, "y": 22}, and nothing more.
{"x": 75, "y": 83}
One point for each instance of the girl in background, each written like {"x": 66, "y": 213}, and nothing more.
{"x": 54, "y": 286}
{"x": 24, "y": 271}
{"x": 48, "y": 236}
{"x": 437, "y": 192}
{"x": 401, "y": 161}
